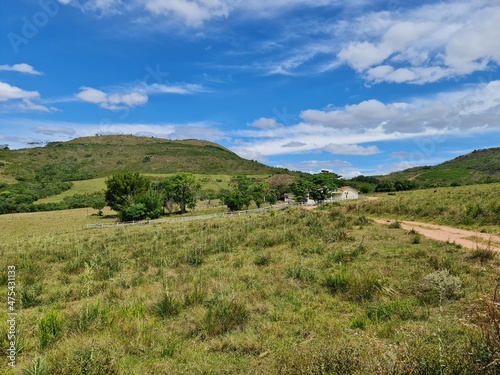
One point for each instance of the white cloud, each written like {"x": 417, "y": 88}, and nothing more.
{"x": 265, "y": 123}
{"x": 54, "y": 130}
{"x": 424, "y": 44}
{"x": 20, "y": 68}
{"x": 114, "y": 101}
{"x": 19, "y": 100}
{"x": 8, "y": 92}
{"x": 131, "y": 96}
{"x": 345, "y": 149}
{"x": 353, "y": 129}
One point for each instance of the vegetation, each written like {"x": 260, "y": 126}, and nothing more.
{"x": 291, "y": 292}
{"x": 475, "y": 205}
{"x": 479, "y": 166}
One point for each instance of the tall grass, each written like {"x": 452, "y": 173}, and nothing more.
{"x": 294, "y": 292}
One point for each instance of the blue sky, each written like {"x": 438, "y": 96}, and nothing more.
{"x": 365, "y": 88}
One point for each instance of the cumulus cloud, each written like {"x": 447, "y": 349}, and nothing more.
{"x": 20, "y": 68}
{"x": 9, "y": 92}
{"x": 131, "y": 96}
{"x": 114, "y": 102}
{"x": 424, "y": 44}
{"x": 17, "y": 99}
{"x": 265, "y": 123}
{"x": 353, "y": 129}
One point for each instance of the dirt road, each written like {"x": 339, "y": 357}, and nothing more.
{"x": 466, "y": 238}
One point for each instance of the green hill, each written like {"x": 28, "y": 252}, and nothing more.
{"x": 94, "y": 157}
{"x": 478, "y": 166}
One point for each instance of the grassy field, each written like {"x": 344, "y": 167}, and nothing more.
{"x": 473, "y": 206}
{"x": 292, "y": 292}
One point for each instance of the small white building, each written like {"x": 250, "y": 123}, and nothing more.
{"x": 347, "y": 192}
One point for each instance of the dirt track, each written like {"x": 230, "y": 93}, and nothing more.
{"x": 466, "y": 238}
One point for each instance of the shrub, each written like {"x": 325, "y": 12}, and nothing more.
{"x": 440, "y": 285}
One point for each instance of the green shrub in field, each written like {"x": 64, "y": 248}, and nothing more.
{"x": 440, "y": 285}
{"x": 223, "y": 316}
{"x": 50, "y": 328}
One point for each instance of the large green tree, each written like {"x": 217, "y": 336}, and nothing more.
{"x": 123, "y": 187}
{"x": 181, "y": 188}
{"x": 317, "y": 186}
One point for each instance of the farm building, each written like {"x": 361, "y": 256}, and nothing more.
{"x": 347, "y": 192}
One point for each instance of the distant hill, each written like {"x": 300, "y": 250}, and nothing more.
{"x": 478, "y": 166}
{"x": 101, "y": 156}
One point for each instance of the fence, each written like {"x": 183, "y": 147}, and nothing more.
{"x": 189, "y": 218}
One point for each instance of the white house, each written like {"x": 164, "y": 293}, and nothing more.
{"x": 347, "y": 192}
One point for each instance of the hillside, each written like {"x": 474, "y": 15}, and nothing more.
{"x": 476, "y": 167}
{"x": 93, "y": 157}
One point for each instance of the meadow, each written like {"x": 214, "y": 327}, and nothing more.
{"x": 292, "y": 292}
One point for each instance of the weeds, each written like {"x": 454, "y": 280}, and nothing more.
{"x": 50, "y": 328}
{"x": 167, "y": 306}
{"x": 38, "y": 366}
{"x": 223, "y": 316}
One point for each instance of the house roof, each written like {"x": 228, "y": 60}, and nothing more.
{"x": 343, "y": 188}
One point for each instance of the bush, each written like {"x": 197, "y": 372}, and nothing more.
{"x": 440, "y": 285}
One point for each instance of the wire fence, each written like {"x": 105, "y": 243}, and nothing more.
{"x": 190, "y": 218}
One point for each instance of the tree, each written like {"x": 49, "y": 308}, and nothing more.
{"x": 145, "y": 205}
{"x": 317, "y": 186}
{"x": 280, "y": 184}
{"x": 181, "y": 188}
{"x": 123, "y": 187}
